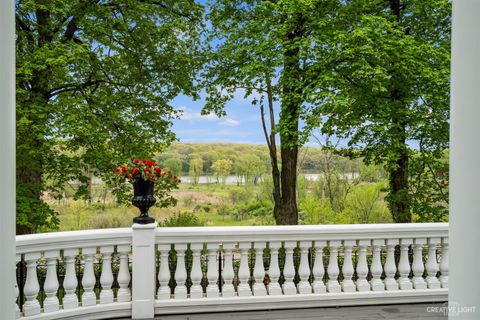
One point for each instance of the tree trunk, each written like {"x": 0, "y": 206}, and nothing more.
{"x": 398, "y": 198}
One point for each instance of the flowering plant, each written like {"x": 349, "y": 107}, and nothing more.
{"x": 164, "y": 180}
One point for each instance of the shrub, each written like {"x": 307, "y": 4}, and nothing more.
{"x": 182, "y": 219}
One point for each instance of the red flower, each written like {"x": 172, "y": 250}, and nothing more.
{"x": 135, "y": 171}
{"x": 135, "y": 161}
{"x": 158, "y": 171}
{"x": 174, "y": 178}
{"x": 149, "y": 163}
{"x": 116, "y": 171}
{"x": 147, "y": 169}
{"x": 129, "y": 176}
{"x": 124, "y": 169}
{"x": 148, "y": 174}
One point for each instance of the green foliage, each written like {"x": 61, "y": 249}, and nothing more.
{"x": 221, "y": 169}
{"x": 196, "y": 169}
{"x": 182, "y": 219}
{"x": 94, "y": 81}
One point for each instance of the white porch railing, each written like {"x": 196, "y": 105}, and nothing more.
{"x": 205, "y": 269}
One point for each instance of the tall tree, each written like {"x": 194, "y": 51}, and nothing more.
{"x": 94, "y": 81}
{"x": 263, "y": 48}
{"x": 390, "y": 95}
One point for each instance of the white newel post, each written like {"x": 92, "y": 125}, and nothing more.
{"x": 143, "y": 270}
{"x": 347, "y": 268}
{"x": 51, "y": 304}
{"x": 274, "y": 288}
{"x": 390, "y": 267}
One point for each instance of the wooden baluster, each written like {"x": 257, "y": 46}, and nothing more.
{"x": 88, "y": 280}
{"x": 244, "y": 270}
{"x": 390, "y": 267}
{"x": 304, "y": 286}
{"x": 444, "y": 264}
{"x": 274, "y": 288}
{"x": 333, "y": 270}
{"x": 318, "y": 268}
{"x": 404, "y": 265}
{"x": 289, "y": 269}
{"x": 163, "y": 291}
{"x": 432, "y": 264}
{"x": 376, "y": 268}
{"x": 417, "y": 264}
{"x": 212, "y": 271}
{"x": 259, "y": 270}
{"x": 123, "y": 278}
{"x": 196, "y": 275}
{"x": 51, "y": 304}
{"x": 18, "y": 313}
{"x": 362, "y": 266}
{"x": 70, "y": 299}
{"x": 106, "y": 278}
{"x": 31, "y": 289}
{"x": 180, "y": 272}
{"x": 347, "y": 268}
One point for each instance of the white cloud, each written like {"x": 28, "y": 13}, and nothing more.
{"x": 231, "y": 122}
{"x": 193, "y": 116}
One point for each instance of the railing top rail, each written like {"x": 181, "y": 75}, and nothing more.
{"x": 301, "y": 232}
{"x": 73, "y": 239}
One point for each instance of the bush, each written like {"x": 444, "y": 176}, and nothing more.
{"x": 182, "y": 219}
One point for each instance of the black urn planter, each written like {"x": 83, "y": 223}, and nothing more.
{"x": 143, "y": 199}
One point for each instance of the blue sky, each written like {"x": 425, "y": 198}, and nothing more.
{"x": 240, "y": 125}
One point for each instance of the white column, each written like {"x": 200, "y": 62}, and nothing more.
{"x": 143, "y": 270}
{"x": 212, "y": 271}
{"x": 417, "y": 264}
{"x": 180, "y": 272}
{"x": 123, "y": 278}
{"x": 376, "y": 268}
{"x": 289, "y": 269}
{"x": 51, "y": 304}
{"x": 7, "y": 158}
{"x": 362, "y": 266}
{"x": 318, "y": 268}
{"x": 464, "y": 155}
{"x": 244, "y": 271}
{"x": 390, "y": 267}
{"x": 196, "y": 275}
{"x": 88, "y": 280}
{"x": 32, "y": 305}
{"x": 18, "y": 313}
{"x": 274, "y": 288}
{"x": 259, "y": 270}
{"x": 106, "y": 278}
{"x": 404, "y": 265}
{"x": 304, "y": 286}
{"x": 70, "y": 299}
{"x": 163, "y": 292}
{"x": 333, "y": 270}
{"x": 432, "y": 264}
{"x": 444, "y": 264}
{"x": 347, "y": 268}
